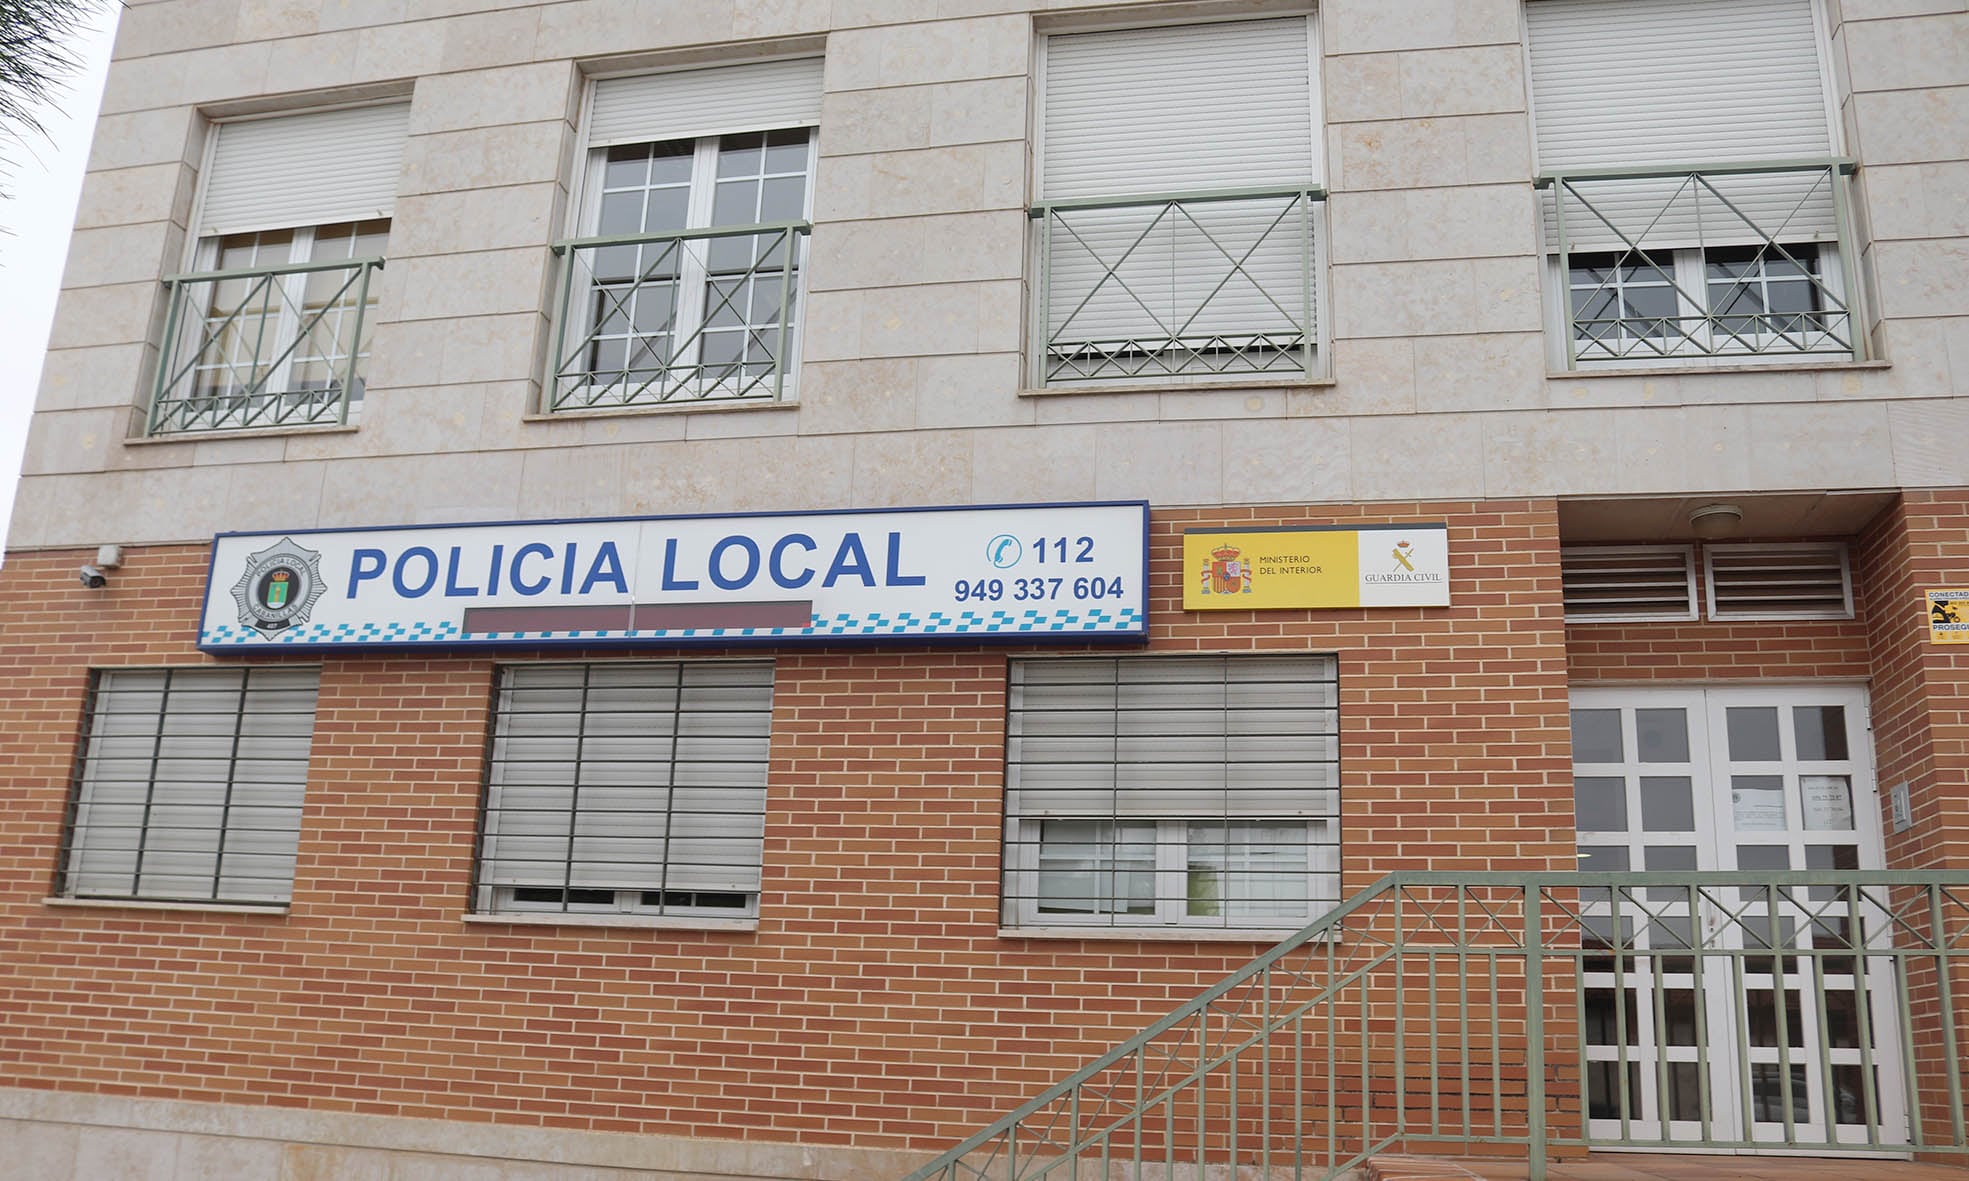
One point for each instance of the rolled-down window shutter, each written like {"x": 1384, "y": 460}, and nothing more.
{"x": 629, "y": 777}
{"x": 191, "y": 785}
{"x": 1175, "y": 737}
{"x": 1147, "y": 112}
{"x": 1675, "y": 83}
{"x": 685, "y": 104}
{"x": 304, "y": 170}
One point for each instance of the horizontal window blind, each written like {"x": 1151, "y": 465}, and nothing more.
{"x": 1185, "y": 107}
{"x": 640, "y": 777}
{"x": 299, "y": 170}
{"x": 685, "y": 104}
{"x": 1637, "y": 83}
{"x": 1174, "y": 737}
{"x": 191, "y": 785}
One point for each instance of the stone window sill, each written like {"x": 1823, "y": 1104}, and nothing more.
{"x": 630, "y": 921}
{"x": 1672, "y": 369}
{"x": 279, "y": 911}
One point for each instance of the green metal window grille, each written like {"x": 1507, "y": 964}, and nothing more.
{"x": 1184, "y": 286}
{"x": 274, "y": 336}
{"x": 1715, "y": 262}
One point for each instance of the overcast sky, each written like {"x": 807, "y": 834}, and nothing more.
{"x": 45, "y": 177}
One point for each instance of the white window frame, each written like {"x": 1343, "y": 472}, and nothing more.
{"x": 694, "y": 275}
{"x": 504, "y": 898}
{"x": 1172, "y": 856}
{"x": 574, "y": 323}
{"x": 157, "y": 762}
{"x": 1687, "y": 268}
{"x": 287, "y": 318}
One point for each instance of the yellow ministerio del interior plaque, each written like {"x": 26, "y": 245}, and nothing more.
{"x": 1299, "y": 567}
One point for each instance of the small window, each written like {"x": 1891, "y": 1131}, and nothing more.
{"x": 1179, "y": 230}
{"x": 271, "y": 326}
{"x": 627, "y": 789}
{"x": 1625, "y": 583}
{"x": 683, "y": 285}
{"x": 1172, "y": 792}
{"x": 1796, "y": 580}
{"x": 190, "y": 785}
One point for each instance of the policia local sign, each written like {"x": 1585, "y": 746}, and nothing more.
{"x": 1019, "y": 572}
{"x": 1339, "y": 566}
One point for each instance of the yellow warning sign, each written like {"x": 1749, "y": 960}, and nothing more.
{"x": 1948, "y": 616}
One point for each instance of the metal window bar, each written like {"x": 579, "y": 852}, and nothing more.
{"x": 205, "y": 382}
{"x": 1189, "y": 1089}
{"x": 1183, "y": 286}
{"x": 541, "y": 855}
{"x": 1736, "y": 241}
{"x": 85, "y": 834}
{"x": 609, "y": 354}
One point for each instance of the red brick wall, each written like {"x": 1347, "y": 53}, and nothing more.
{"x": 1920, "y": 690}
{"x": 1632, "y": 653}
{"x": 876, "y": 1004}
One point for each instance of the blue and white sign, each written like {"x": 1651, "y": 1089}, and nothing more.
{"x": 1016, "y": 572}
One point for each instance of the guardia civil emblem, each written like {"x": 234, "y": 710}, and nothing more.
{"x": 279, "y": 587}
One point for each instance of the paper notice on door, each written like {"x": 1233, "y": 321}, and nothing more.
{"x": 1758, "y": 809}
{"x": 1828, "y": 802}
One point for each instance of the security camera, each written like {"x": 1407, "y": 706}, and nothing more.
{"x": 93, "y": 577}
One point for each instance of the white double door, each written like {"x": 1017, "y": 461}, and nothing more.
{"x": 1721, "y": 1046}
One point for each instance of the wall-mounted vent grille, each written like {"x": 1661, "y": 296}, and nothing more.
{"x": 1806, "y": 580}
{"x": 1612, "y": 583}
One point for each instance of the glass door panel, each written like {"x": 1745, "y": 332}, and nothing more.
{"x": 1684, "y": 1048}
{"x": 1817, "y": 1025}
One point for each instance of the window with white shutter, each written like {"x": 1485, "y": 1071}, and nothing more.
{"x": 682, "y": 286}
{"x": 1178, "y": 791}
{"x": 1178, "y": 230}
{"x": 271, "y": 326}
{"x": 627, "y": 788}
{"x": 190, "y": 785}
{"x": 1693, "y": 199}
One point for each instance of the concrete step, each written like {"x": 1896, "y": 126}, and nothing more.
{"x": 1653, "y": 1167}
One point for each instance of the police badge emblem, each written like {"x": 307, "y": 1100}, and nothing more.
{"x": 280, "y": 585}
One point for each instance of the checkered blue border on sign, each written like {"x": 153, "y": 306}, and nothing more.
{"x": 1063, "y": 621}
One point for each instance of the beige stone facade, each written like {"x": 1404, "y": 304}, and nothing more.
{"x": 911, "y": 374}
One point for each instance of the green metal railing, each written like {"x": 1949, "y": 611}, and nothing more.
{"x": 1824, "y": 1009}
{"x": 267, "y": 346}
{"x": 1183, "y": 285}
{"x": 684, "y": 317}
{"x": 1710, "y": 261}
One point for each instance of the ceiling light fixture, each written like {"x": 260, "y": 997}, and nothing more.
{"x": 1715, "y": 520}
